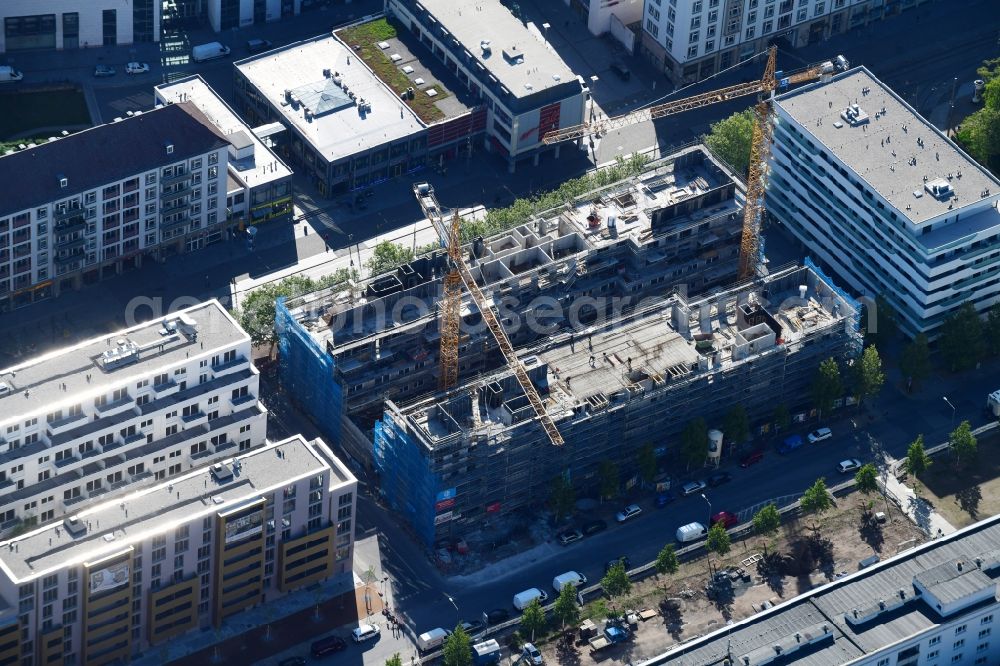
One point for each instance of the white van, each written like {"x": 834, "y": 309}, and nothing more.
{"x": 522, "y": 599}
{"x": 210, "y": 51}
{"x": 691, "y": 532}
{"x": 429, "y": 640}
{"x": 569, "y": 578}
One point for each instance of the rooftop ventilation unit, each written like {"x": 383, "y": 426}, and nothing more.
{"x": 485, "y": 47}
{"x": 124, "y": 352}
{"x": 75, "y": 526}
{"x": 939, "y": 188}
{"x": 854, "y": 115}
{"x": 221, "y": 473}
{"x": 513, "y": 55}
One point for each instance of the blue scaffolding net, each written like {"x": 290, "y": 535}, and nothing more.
{"x": 406, "y": 480}
{"x": 307, "y": 373}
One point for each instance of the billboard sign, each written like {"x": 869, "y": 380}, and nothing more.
{"x": 493, "y": 508}
{"x": 444, "y": 504}
{"x": 444, "y": 517}
{"x": 109, "y": 577}
{"x": 244, "y": 527}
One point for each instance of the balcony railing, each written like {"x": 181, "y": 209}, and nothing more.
{"x": 176, "y": 178}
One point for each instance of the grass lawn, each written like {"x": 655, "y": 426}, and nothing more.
{"x": 970, "y": 494}
{"x": 23, "y": 111}
{"x": 367, "y": 36}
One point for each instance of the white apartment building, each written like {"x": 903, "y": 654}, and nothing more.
{"x": 526, "y": 87}
{"x": 95, "y": 203}
{"x": 932, "y": 605}
{"x": 883, "y": 198}
{"x": 183, "y": 555}
{"x": 690, "y": 40}
{"x": 73, "y": 24}
{"x": 148, "y": 403}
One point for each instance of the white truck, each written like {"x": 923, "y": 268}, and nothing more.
{"x": 993, "y": 404}
{"x": 210, "y": 51}
{"x": 9, "y": 75}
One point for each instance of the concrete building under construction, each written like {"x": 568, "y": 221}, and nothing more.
{"x": 600, "y": 298}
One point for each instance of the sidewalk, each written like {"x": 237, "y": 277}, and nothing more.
{"x": 918, "y": 509}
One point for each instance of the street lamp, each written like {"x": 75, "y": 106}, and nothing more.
{"x": 593, "y": 81}
{"x": 952, "y": 409}
{"x": 709, "y": 508}
{"x": 457, "y": 612}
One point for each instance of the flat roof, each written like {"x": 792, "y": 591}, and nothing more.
{"x": 335, "y": 130}
{"x": 115, "y": 525}
{"x": 72, "y": 375}
{"x": 519, "y": 57}
{"x": 263, "y": 166}
{"x": 889, "y": 605}
{"x": 883, "y": 149}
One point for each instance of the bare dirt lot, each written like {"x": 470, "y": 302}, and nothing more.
{"x": 967, "y": 495}
{"x": 798, "y": 559}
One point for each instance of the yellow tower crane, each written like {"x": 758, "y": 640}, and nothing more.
{"x": 750, "y": 249}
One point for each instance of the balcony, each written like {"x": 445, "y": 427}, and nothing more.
{"x": 170, "y": 196}
{"x": 71, "y": 244}
{"x": 179, "y": 222}
{"x": 72, "y": 257}
{"x": 170, "y": 387}
{"x": 117, "y": 406}
{"x": 67, "y": 461}
{"x": 198, "y": 418}
{"x": 64, "y": 213}
{"x": 62, "y": 425}
{"x": 226, "y": 366}
{"x": 173, "y": 208}
{"x": 242, "y": 400}
{"x": 176, "y": 178}
{"x": 70, "y": 227}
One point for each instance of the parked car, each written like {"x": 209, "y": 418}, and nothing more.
{"x": 324, "y": 647}
{"x": 691, "y": 532}
{"x": 136, "y": 68}
{"x": 719, "y": 478}
{"x": 430, "y": 640}
{"x": 621, "y": 70}
{"x": 631, "y": 511}
{"x": 664, "y": 499}
{"x": 849, "y": 465}
{"x": 751, "y": 458}
{"x": 569, "y": 536}
{"x": 258, "y": 45}
{"x": 627, "y": 563}
{"x": 365, "y": 632}
{"x": 819, "y": 435}
{"x": 726, "y": 518}
{"x": 593, "y": 527}
{"x": 473, "y": 627}
{"x": 292, "y": 661}
{"x": 104, "y": 70}
{"x": 790, "y": 443}
{"x": 692, "y": 488}
{"x": 531, "y": 655}
{"x": 522, "y": 599}
{"x": 498, "y": 615}
{"x": 569, "y": 578}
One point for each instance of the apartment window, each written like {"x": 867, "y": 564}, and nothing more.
{"x": 820, "y": 8}
{"x": 958, "y": 644}
{"x": 174, "y": 469}
{"x": 956, "y": 658}
{"x": 768, "y": 26}
{"x": 986, "y": 619}
{"x": 178, "y": 561}
{"x": 750, "y": 32}
{"x": 934, "y": 641}
{"x": 213, "y": 158}
{"x": 692, "y": 51}
{"x": 344, "y": 513}
{"x": 159, "y": 554}
{"x": 802, "y": 14}
{"x": 982, "y": 647}
{"x": 696, "y": 7}
{"x": 984, "y": 633}
{"x": 695, "y": 22}
{"x": 960, "y": 630}
{"x": 200, "y": 447}
{"x": 693, "y": 38}
{"x": 345, "y": 499}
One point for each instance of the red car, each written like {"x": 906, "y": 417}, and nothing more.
{"x": 726, "y": 518}
{"x": 751, "y": 458}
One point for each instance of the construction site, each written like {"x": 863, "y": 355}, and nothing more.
{"x": 619, "y": 308}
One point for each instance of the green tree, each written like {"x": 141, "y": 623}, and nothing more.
{"x": 866, "y": 479}
{"x": 256, "y": 313}
{"x": 917, "y": 461}
{"x": 826, "y": 385}
{"x": 961, "y": 341}
{"x": 533, "y": 619}
{"x": 394, "y": 660}
{"x": 816, "y": 500}
{"x": 694, "y": 442}
{"x": 667, "y": 563}
{"x": 991, "y": 330}
{"x": 731, "y": 138}
{"x": 387, "y": 256}
{"x": 767, "y": 520}
{"x": 868, "y": 375}
{"x": 782, "y": 417}
{"x": 562, "y": 497}
{"x": 616, "y": 582}
{"x": 457, "y": 649}
{"x": 718, "y": 539}
{"x": 736, "y": 425}
{"x": 646, "y": 461}
{"x": 565, "y": 609}
{"x": 915, "y": 359}
{"x": 607, "y": 472}
{"x": 962, "y": 443}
